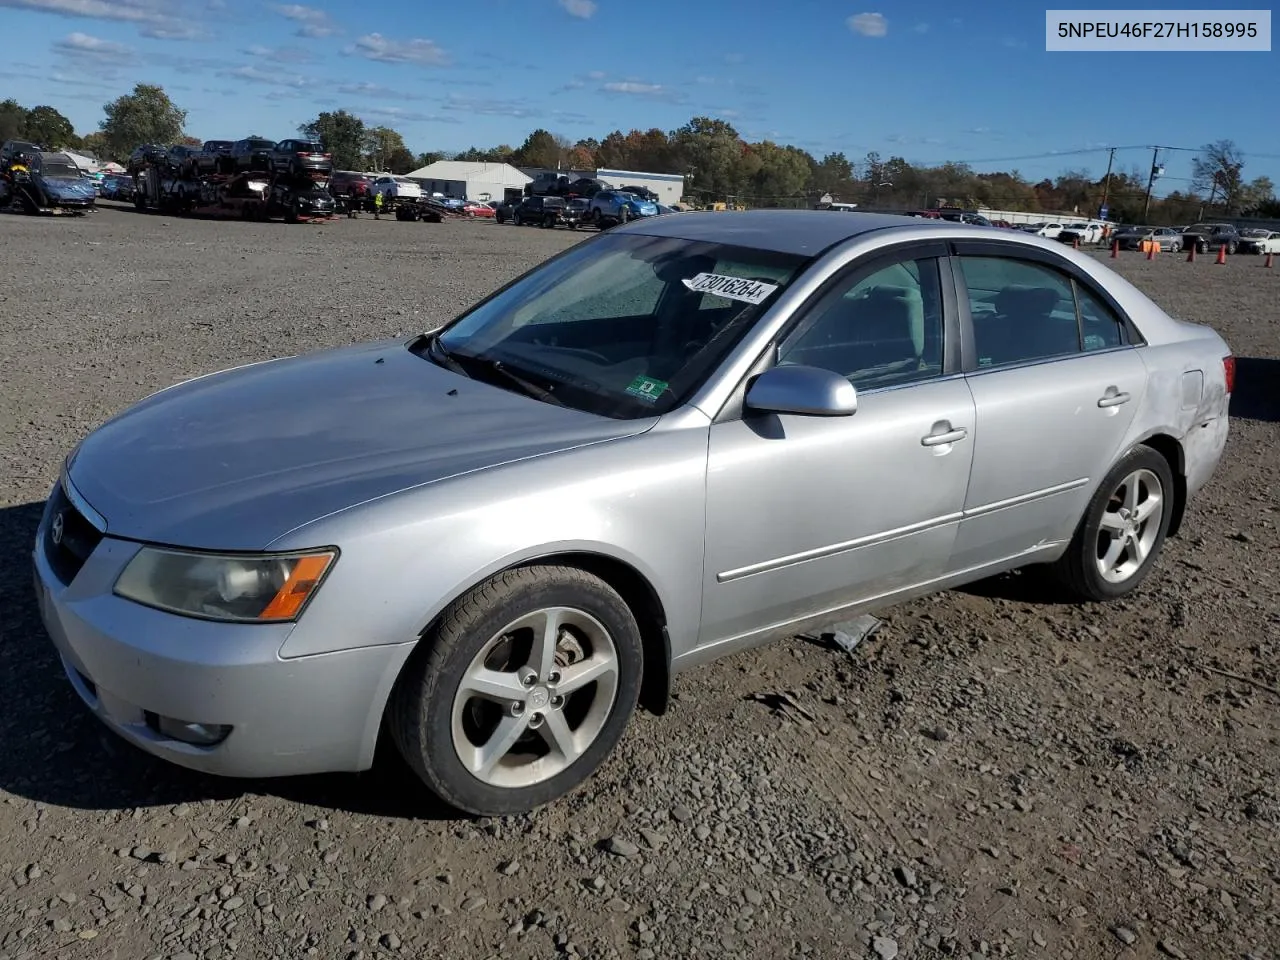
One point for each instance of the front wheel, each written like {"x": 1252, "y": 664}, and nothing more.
{"x": 1122, "y": 531}
{"x": 521, "y": 692}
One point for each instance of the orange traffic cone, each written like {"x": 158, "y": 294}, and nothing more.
{"x": 1152, "y": 247}
{"x": 1268, "y": 263}
{"x": 1222, "y": 253}
{"x": 1191, "y": 254}
{"x": 1075, "y": 243}
{"x": 1115, "y": 249}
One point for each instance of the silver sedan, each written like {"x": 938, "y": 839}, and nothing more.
{"x": 681, "y": 438}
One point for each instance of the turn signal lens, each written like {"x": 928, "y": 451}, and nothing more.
{"x": 1229, "y": 368}
{"x": 266, "y": 588}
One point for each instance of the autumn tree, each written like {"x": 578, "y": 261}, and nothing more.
{"x": 146, "y": 115}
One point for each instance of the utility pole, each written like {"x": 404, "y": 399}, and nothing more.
{"x": 1146, "y": 206}
{"x": 1106, "y": 184}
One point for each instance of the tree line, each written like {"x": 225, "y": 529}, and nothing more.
{"x": 718, "y": 164}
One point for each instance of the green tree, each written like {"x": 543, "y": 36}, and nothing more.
{"x": 145, "y": 116}
{"x": 13, "y": 120}
{"x": 95, "y": 145}
{"x": 428, "y": 158}
{"x": 49, "y": 128}
{"x": 710, "y": 153}
{"x": 341, "y": 134}
{"x": 540, "y": 149}
{"x": 833, "y": 174}
{"x": 384, "y": 149}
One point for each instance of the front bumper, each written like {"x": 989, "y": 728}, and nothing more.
{"x": 133, "y": 665}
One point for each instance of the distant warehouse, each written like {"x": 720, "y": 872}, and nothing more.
{"x": 470, "y": 180}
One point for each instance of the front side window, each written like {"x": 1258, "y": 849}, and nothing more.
{"x": 622, "y": 326}
{"x": 882, "y": 329}
{"x": 1025, "y": 312}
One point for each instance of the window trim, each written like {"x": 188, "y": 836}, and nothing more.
{"x": 864, "y": 265}
{"x": 1132, "y": 336}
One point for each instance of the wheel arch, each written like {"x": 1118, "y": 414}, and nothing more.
{"x": 636, "y": 590}
{"x": 1169, "y": 447}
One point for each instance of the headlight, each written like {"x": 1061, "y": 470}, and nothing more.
{"x": 270, "y": 588}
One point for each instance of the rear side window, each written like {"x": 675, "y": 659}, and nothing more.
{"x": 1024, "y": 312}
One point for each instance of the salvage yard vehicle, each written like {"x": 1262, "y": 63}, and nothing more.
{"x": 1259, "y": 240}
{"x": 677, "y": 439}
{"x": 1210, "y": 236}
{"x": 46, "y": 183}
{"x": 610, "y": 207}
{"x": 395, "y": 188}
{"x": 541, "y": 211}
{"x": 300, "y": 158}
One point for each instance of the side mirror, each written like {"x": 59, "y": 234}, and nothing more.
{"x": 806, "y": 391}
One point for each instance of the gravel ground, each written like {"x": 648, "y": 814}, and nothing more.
{"x": 992, "y": 775}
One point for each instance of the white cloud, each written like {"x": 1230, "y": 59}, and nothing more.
{"x": 868, "y": 24}
{"x": 582, "y": 9}
{"x": 377, "y": 91}
{"x": 375, "y": 46}
{"x": 399, "y": 115}
{"x": 275, "y": 78}
{"x": 279, "y": 54}
{"x": 311, "y": 22}
{"x": 156, "y": 17}
{"x": 82, "y": 45}
{"x": 637, "y": 88}
{"x": 596, "y": 75}
{"x": 491, "y": 108}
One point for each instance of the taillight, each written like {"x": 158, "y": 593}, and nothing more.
{"x": 1229, "y": 369}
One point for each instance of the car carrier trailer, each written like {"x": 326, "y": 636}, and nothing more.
{"x": 251, "y": 196}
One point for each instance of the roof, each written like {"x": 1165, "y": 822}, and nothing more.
{"x": 470, "y": 170}
{"x": 807, "y": 232}
{"x": 639, "y": 175}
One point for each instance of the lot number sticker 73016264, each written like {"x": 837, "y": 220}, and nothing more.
{"x": 731, "y": 288}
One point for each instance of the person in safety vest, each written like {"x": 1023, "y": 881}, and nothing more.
{"x": 377, "y": 206}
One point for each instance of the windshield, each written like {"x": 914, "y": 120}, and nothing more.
{"x": 59, "y": 169}
{"x": 625, "y": 326}
{"x": 261, "y": 145}
{"x": 1254, "y": 232}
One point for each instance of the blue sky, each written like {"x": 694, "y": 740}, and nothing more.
{"x": 930, "y": 80}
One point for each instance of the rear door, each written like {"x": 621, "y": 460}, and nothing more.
{"x": 1056, "y": 382}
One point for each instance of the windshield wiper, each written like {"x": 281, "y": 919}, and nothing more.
{"x": 440, "y": 352}
{"x": 527, "y": 386}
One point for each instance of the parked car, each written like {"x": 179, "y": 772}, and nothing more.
{"x": 214, "y": 156}
{"x": 610, "y": 207}
{"x": 179, "y": 158}
{"x": 301, "y": 157}
{"x": 505, "y": 210}
{"x": 60, "y": 183}
{"x": 1085, "y": 233}
{"x": 18, "y": 150}
{"x": 644, "y": 193}
{"x": 349, "y": 183}
{"x": 1259, "y": 240}
{"x": 117, "y": 186}
{"x": 395, "y": 188}
{"x": 575, "y": 212}
{"x": 490, "y": 541}
{"x": 542, "y": 211}
{"x": 1049, "y": 229}
{"x": 1207, "y": 236}
{"x": 253, "y": 153}
{"x": 149, "y": 154}
{"x": 478, "y": 208}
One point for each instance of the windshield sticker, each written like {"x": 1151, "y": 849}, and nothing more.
{"x": 647, "y": 388}
{"x": 731, "y": 288}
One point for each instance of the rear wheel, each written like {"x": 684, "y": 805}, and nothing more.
{"x": 522, "y": 690}
{"x": 1122, "y": 531}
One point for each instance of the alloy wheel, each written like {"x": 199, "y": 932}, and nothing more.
{"x": 535, "y": 697}
{"x": 1130, "y": 526}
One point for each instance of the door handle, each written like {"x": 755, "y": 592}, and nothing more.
{"x": 938, "y": 439}
{"x": 1113, "y": 400}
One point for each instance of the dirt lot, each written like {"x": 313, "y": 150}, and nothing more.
{"x": 992, "y": 775}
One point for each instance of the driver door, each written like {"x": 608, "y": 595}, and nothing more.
{"x": 806, "y": 515}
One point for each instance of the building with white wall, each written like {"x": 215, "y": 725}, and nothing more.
{"x": 470, "y": 180}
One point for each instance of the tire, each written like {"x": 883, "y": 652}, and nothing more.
{"x": 624, "y": 214}
{"x": 431, "y": 723}
{"x": 1079, "y": 569}
{"x": 1231, "y": 249}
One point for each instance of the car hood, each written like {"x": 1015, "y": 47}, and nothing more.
{"x": 64, "y": 188}
{"x": 235, "y": 460}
